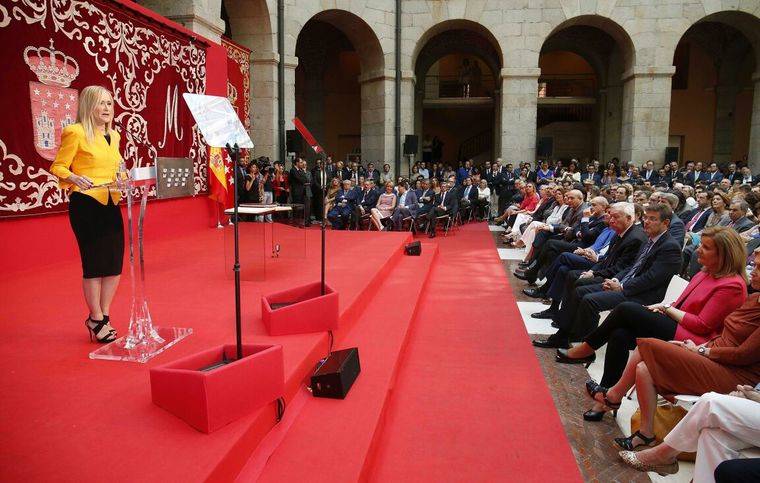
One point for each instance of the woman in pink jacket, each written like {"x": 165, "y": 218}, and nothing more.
{"x": 697, "y": 314}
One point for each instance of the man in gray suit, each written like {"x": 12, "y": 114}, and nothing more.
{"x": 737, "y": 212}
{"x": 406, "y": 206}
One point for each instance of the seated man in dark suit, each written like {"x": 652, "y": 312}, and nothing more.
{"x": 445, "y": 204}
{"x": 407, "y": 205}
{"x": 619, "y": 255}
{"x": 645, "y": 282}
{"x": 676, "y": 228}
{"x": 366, "y": 200}
{"x": 591, "y": 176}
{"x": 345, "y": 200}
{"x": 696, "y": 219}
{"x": 469, "y": 194}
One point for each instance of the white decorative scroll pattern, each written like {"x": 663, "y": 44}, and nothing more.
{"x": 242, "y": 58}
{"x": 130, "y": 55}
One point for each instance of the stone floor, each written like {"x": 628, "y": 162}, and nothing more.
{"x": 592, "y": 443}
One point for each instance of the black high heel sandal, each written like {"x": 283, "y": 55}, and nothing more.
{"x": 627, "y": 443}
{"x": 592, "y": 388}
{"x": 96, "y": 330}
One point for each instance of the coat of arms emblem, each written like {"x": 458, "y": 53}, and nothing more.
{"x": 54, "y": 104}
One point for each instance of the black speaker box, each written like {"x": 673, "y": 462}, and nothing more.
{"x": 414, "y": 249}
{"x": 410, "y": 144}
{"x": 335, "y": 376}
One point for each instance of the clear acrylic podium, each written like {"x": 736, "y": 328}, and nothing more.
{"x": 172, "y": 177}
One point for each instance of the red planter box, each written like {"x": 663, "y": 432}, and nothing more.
{"x": 309, "y": 310}
{"x": 209, "y": 400}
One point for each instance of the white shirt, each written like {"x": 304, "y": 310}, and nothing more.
{"x": 484, "y": 193}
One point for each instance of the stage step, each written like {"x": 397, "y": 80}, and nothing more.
{"x": 330, "y": 440}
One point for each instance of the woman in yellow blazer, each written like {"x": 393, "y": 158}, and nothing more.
{"x": 88, "y": 159}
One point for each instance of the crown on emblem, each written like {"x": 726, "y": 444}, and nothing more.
{"x": 52, "y": 67}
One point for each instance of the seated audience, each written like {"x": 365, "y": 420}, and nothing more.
{"x": 697, "y": 314}
{"x": 683, "y": 367}
{"x": 645, "y": 282}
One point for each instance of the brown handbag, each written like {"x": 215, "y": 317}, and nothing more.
{"x": 666, "y": 417}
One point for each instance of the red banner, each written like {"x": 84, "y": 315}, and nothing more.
{"x": 54, "y": 49}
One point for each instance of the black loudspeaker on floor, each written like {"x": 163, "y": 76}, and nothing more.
{"x": 414, "y": 249}
{"x": 336, "y": 374}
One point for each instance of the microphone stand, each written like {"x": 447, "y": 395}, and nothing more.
{"x": 234, "y": 152}
{"x": 324, "y": 221}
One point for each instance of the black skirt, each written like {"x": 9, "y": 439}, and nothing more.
{"x": 99, "y": 231}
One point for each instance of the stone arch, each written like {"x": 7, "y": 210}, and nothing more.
{"x": 608, "y": 49}
{"x": 376, "y": 113}
{"x": 458, "y": 37}
{"x": 359, "y": 33}
{"x": 436, "y": 42}
{"x": 731, "y": 39}
{"x": 621, "y": 37}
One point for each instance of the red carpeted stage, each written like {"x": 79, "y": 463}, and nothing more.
{"x": 450, "y": 388}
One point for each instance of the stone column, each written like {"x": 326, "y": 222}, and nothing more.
{"x": 519, "y": 104}
{"x": 201, "y": 16}
{"x": 411, "y": 117}
{"x": 263, "y": 107}
{"x": 646, "y": 114}
{"x": 754, "y": 130}
{"x": 377, "y": 116}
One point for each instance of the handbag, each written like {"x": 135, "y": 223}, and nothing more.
{"x": 666, "y": 417}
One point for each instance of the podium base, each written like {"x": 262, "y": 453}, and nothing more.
{"x": 115, "y": 351}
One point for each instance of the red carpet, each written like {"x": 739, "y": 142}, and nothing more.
{"x": 450, "y": 388}
{"x": 72, "y": 418}
{"x": 461, "y": 398}
{"x": 471, "y": 403}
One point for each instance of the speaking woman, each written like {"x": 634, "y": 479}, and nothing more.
{"x": 87, "y": 159}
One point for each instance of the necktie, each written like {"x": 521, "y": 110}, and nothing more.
{"x": 694, "y": 220}
{"x": 639, "y": 262}
{"x": 443, "y": 198}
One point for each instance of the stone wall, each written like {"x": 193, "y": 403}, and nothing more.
{"x": 646, "y": 31}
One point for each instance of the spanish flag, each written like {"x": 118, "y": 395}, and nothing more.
{"x": 217, "y": 179}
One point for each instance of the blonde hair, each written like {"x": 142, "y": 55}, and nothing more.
{"x": 89, "y": 98}
{"x": 731, "y": 251}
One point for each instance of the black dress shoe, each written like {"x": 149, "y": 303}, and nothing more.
{"x": 535, "y": 293}
{"x": 520, "y": 275}
{"x": 432, "y": 235}
{"x": 544, "y": 314}
{"x": 563, "y": 358}
{"x": 552, "y": 342}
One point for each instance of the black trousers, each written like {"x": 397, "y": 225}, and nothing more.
{"x": 580, "y": 310}
{"x": 627, "y": 322}
{"x": 738, "y": 471}
{"x": 431, "y": 216}
{"x": 551, "y": 250}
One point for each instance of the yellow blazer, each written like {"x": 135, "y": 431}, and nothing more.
{"x": 97, "y": 160}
